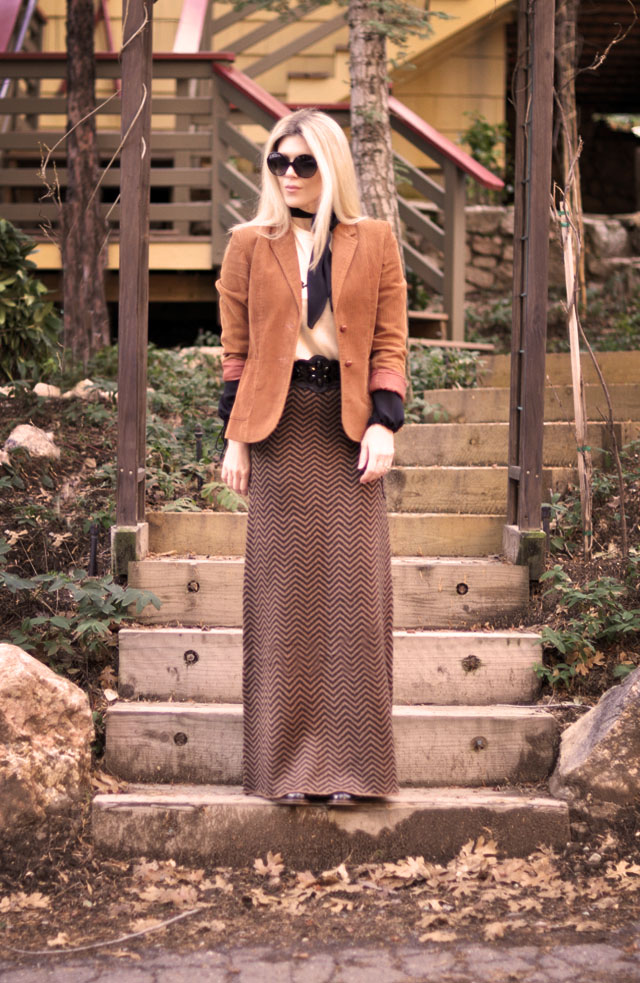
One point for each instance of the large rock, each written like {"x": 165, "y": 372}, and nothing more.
{"x": 45, "y": 390}
{"x": 45, "y": 735}
{"x": 36, "y": 441}
{"x": 598, "y": 769}
{"x": 484, "y": 219}
{"x": 606, "y": 237}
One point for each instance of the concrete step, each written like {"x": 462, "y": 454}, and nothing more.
{"x": 428, "y": 593}
{"x": 617, "y": 367}
{"x": 412, "y": 534}
{"x": 223, "y": 827}
{"x": 472, "y": 490}
{"x": 486, "y": 444}
{"x": 441, "y": 667}
{"x": 202, "y": 743}
{"x": 485, "y": 405}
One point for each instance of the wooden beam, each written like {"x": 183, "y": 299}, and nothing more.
{"x": 134, "y": 264}
{"x": 454, "y": 249}
{"x": 534, "y": 127}
{"x": 297, "y": 46}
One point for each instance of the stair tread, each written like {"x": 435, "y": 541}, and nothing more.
{"x": 503, "y": 711}
{"x": 223, "y": 826}
{"x": 176, "y": 794}
{"x": 398, "y": 632}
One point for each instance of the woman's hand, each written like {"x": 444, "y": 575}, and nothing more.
{"x": 376, "y": 452}
{"x": 236, "y": 466}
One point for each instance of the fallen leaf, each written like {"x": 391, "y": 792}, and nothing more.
{"x": 438, "y": 936}
{"x": 495, "y": 930}
{"x": 61, "y": 939}
{"x": 272, "y": 868}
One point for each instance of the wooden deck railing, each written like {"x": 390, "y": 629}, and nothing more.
{"x": 204, "y": 160}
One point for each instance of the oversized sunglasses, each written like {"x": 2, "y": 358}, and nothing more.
{"x": 304, "y": 164}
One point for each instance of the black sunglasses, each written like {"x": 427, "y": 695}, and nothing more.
{"x": 304, "y": 164}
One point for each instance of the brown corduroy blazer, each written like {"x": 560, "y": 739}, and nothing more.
{"x": 260, "y": 311}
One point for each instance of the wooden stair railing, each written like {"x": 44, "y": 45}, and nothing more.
{"x": 204, "y": 149}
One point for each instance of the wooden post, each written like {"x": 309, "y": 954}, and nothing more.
{"x": 219, "y": 154}
{"x": 454, "y": 247}
{"x": 523, "y": 540}
{"x": 130, "y": 533}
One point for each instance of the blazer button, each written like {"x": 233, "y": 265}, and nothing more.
{"x": 343, "y": 328}
{"x": 348, "y": 363}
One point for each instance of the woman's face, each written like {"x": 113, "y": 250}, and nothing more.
{"x": 298, "y": 192}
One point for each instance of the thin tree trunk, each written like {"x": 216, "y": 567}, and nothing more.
{"x": 370, "y": 129}
{"x": 86, "y": 321}
{"x": 566, "y": 69}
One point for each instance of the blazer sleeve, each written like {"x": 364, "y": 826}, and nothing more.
{"x": 389, "y": 348}
{"x": 233, "y": 287}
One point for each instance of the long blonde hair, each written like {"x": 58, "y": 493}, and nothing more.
{"x": 330, "y": 147}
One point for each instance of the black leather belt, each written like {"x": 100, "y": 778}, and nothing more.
{"x": 317, "y": 373}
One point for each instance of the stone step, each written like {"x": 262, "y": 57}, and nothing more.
{"x": 486, "y": 444}
{"x": 202, "y": 743}
{"x": 223, "y": 827}
{"x": 412, "y": 533}
{"x": 479, "y": 490}
{"x": 486, "y": 405}
{"x": 441, "y": 667}
{"x": 617, "y": 367}
{"x": 428, "y": 593}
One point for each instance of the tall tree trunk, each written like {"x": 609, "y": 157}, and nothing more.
{"x": 566, "y": 58}
{"x": 86, "y": 320}
{"x": 370, "y": 130}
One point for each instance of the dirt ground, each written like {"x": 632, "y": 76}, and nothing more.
{"x": 56, "y": 895}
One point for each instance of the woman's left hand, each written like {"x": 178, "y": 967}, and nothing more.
{"x": 376, "y": 452}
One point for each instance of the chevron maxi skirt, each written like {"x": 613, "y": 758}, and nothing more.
{"x": 317, "y": 612}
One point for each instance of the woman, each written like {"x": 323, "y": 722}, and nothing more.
{"x": 313, "y": 313}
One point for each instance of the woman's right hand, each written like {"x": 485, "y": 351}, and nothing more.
{"x": 236, "y": 466}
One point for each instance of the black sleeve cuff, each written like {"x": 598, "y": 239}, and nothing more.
{"x": 388, "y": 409}
{"x": 227, "y": 400}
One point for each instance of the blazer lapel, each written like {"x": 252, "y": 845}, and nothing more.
{"x": 286, "y": 253}
{"x": 343, "y": 246}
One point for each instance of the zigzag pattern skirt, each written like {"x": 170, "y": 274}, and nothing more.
{"x": 317, "y": 635}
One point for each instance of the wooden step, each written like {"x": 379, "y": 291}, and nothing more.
{"x": 429, "y": 593}
{"x": 221, "y": 826}
{"x": 441, "y": 667}
{"x": 486, "y": 405}
{"x": 617, "y": 367}
{"x": 473, "y": 490}
{"x": 202, "y": 743}
{"x": 467, "y": 489}
{"x": 486, "y": 444}
{"x": 412, "y": 534}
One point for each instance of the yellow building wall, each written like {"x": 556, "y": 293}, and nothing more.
{"x": 460, "y": 68}
{"x": 471, "y": 78}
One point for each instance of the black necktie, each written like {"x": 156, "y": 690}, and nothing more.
{"x": 318, "y": 280}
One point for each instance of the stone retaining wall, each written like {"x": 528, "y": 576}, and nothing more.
{"x": 612, "y": 249}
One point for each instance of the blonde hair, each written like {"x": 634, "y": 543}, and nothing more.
{"x": 330, "y": 147}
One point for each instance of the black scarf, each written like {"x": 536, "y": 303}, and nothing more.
{"x": 318, "y": 280}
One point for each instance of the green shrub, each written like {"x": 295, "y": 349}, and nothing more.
{"x": 597, "y": 614}
{"x": 29, "y": 325}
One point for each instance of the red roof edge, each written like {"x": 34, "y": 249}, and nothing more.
{"x": 446, "y": 147}
{"x": 252, "y": 90}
